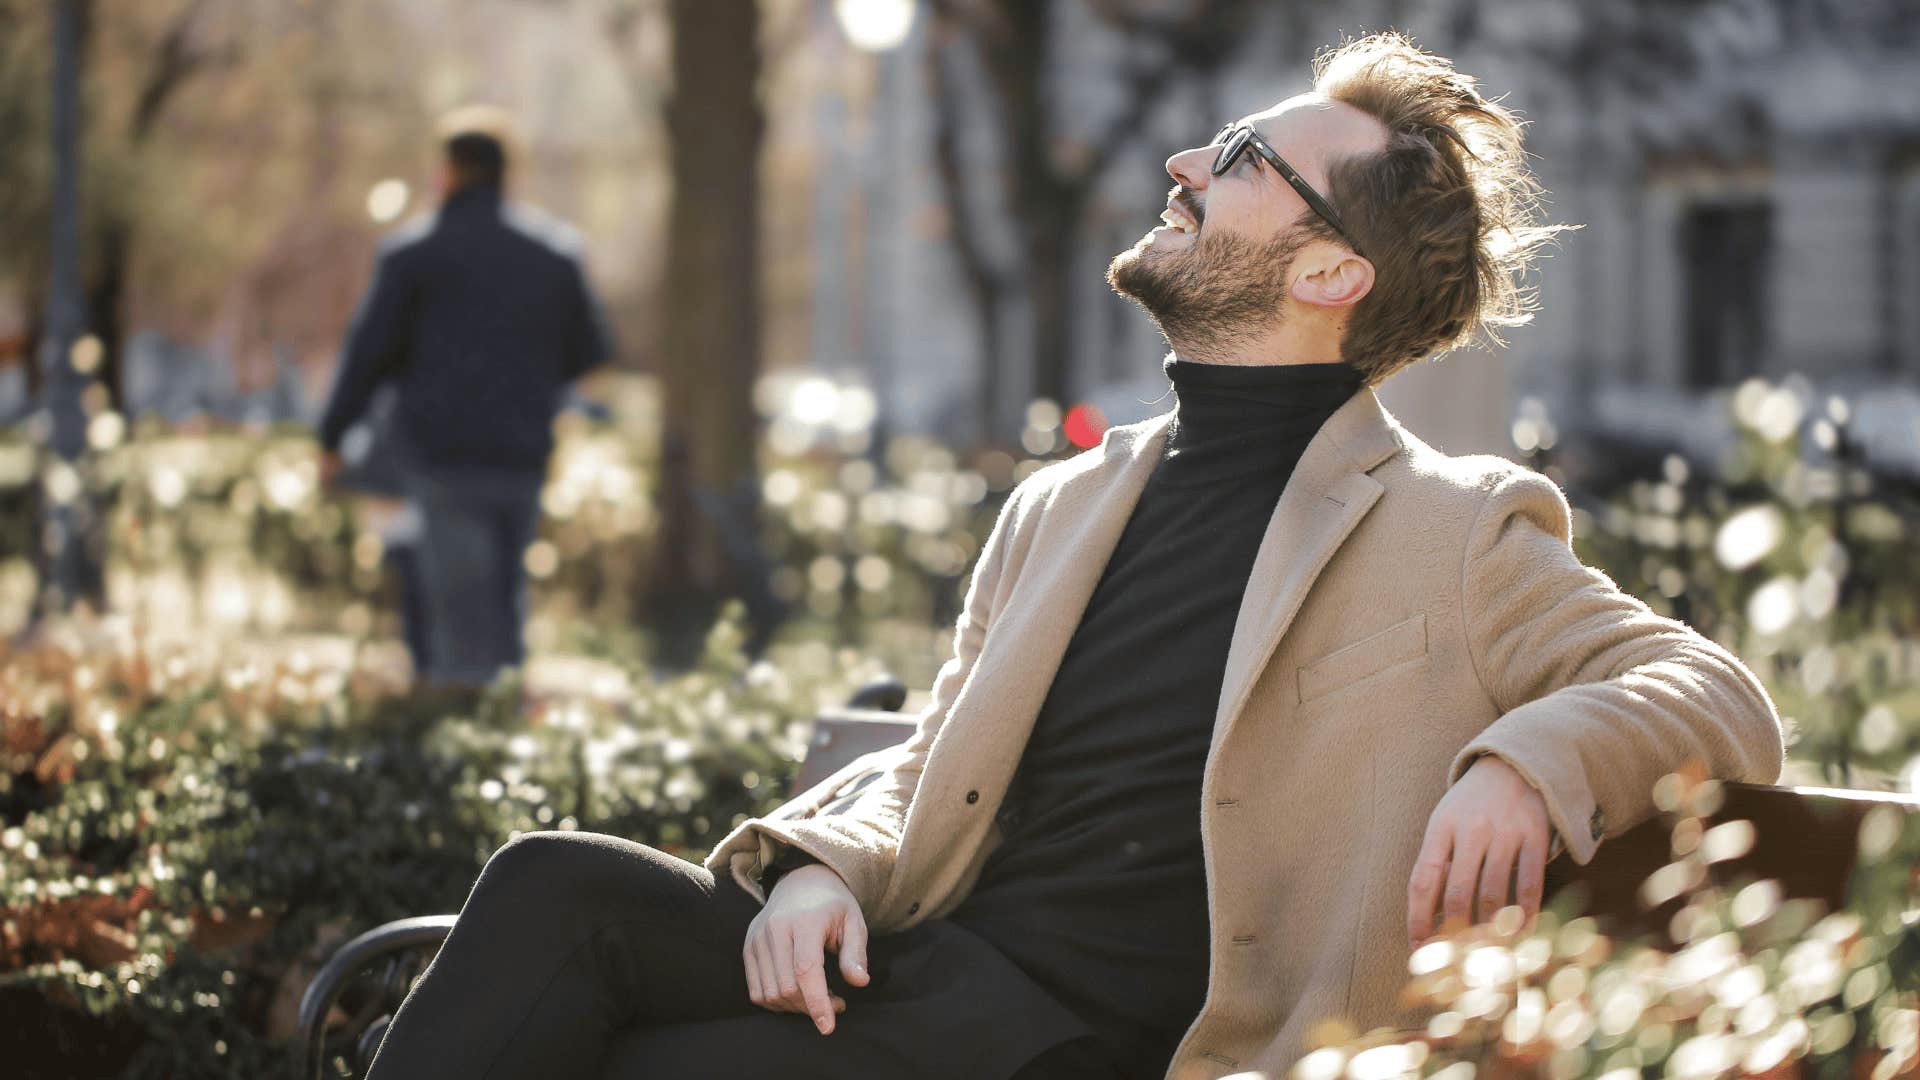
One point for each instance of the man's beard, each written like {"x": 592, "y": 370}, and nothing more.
{"x": 1221, "y": 290}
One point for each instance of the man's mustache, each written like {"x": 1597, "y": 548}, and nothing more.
{"x": 1184, "y": 197}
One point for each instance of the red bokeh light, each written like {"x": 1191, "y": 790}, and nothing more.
{"x": 1084, "y": 425}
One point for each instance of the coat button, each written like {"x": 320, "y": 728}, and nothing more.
{"x": 973, "y": 796}
{"x": 913, "y": 907}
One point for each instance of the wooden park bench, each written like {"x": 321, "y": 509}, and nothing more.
{"x": 1806, "y": 839}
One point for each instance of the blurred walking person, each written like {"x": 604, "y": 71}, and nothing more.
{"x": 481, "y": 315}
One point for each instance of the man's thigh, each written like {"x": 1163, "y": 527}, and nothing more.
{"x": 757, "y": 1044}
{"x": 943, "y": 1004}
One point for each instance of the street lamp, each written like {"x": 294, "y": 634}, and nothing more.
{"x": 874, "y": 25}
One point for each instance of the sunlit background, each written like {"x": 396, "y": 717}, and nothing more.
{"x": 1724, "y": 377}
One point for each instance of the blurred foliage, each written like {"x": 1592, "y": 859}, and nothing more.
{"x": 182, "y": 840}
{"x": 222, "y": 527}
{"x": 1758, "y": 985}
{"x": 1801, "y": 561}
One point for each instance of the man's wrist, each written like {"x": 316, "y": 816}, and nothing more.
{"x": 788, "y": 860}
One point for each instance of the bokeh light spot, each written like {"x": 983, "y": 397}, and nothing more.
{"x": 1085, "y": 424}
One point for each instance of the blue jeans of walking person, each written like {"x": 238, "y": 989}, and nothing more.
{"x": 475, "y": 528}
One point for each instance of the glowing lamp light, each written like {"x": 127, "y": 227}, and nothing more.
{"x": 874, "y": 25}
{"x": 1084, "y": 425}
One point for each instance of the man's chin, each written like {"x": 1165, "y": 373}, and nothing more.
{"x": 1131, "y": 269}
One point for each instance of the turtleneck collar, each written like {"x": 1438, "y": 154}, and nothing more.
{"x": 1232, "y": 422}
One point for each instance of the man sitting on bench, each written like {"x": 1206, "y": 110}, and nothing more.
{"x": 1238, "y": 699}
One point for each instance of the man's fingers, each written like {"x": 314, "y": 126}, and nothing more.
{"x": 1423, "y": 887}
{"x": 853, "y": 948}
{"x": 790, "y": 984}
{"x": 839, "y": 1004}
{"x": 1463, "y": 878}
{"x": 1496, "y": 876}
{"x": 1530, "y": 877}
{"x": 769, "y": 981}
{"x": 810, "y": 968}
{"x": 753, "y": 970}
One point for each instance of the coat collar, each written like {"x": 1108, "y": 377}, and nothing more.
{"x": 473, "y": 200}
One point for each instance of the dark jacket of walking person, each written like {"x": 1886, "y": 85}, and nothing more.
{"x": 481, "y": 314}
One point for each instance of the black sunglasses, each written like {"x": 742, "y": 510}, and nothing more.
{"x": 1237, "y": 137}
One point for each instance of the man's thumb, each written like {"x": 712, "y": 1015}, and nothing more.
{"x": 853, "y": 950}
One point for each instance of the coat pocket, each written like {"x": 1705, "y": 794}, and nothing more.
{"x": 1401, "y": 643}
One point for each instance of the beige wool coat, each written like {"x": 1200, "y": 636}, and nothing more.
{"x": 1407, "y": 610}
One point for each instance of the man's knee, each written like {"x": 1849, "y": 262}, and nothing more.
{"x": 576, "y": 867}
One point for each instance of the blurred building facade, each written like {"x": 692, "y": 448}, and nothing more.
{"x": 1748, "y": 175}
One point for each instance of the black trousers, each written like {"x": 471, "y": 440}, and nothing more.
{"x": 586, "y": 955}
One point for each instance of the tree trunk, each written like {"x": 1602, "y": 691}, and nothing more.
{"x": 1053, "y": 234}
{"x": 1050, "y": 179}
{"x": 1015, "y": 53}
{"x": 944, "y": 89}
{"x": 710, "y": 341}
{"x": 175, "y": 61}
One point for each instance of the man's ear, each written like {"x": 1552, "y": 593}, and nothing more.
{"x": 1332, "y": 277}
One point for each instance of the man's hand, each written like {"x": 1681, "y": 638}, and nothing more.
{"x": 809, "y": 911}
{"x": 1491, "y": 816}
{"x": 330, "y": 465}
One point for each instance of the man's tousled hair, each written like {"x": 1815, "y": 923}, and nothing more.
{"x": 1448, "y": 212}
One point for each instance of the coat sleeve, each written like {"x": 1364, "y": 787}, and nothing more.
{"x": 1598, "y": 695}
{"x": 589, "y": 337}
{"x": 376, "y": 346}
{"x": 861, "y": 841}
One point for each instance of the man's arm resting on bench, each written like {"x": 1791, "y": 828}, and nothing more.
{"x": 1599, "y": 696}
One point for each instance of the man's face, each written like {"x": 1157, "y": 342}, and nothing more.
{"x": 1224, "y": 263}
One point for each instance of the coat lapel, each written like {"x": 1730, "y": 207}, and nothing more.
{"x": 1327, "y": 495}
{"x": 1079, "y": 524}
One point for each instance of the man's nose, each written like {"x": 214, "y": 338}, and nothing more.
{"x": 1192, "y": 168}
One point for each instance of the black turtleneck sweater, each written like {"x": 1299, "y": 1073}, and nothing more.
{"x": 1099, "y": 889}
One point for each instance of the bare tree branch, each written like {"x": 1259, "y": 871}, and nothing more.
{"x": 180, "y": 57}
